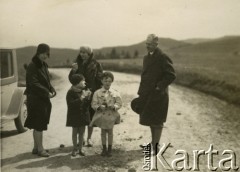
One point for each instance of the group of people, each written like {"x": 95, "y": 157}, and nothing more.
{"x": 92, "y": 102}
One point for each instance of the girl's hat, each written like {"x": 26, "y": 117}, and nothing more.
{"x": 76, "y": 79}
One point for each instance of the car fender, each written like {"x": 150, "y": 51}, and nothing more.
{"x": 15, "y": 104}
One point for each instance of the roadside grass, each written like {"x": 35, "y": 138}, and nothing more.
{"x": 218, "y": 79}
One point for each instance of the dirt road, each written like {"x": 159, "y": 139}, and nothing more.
{"x": 195, "y": 121}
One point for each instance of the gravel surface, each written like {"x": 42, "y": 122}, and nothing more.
{"x": 195, "y": 121}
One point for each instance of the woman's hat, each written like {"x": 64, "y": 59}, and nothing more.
{"x": 87, "y": 49}
{"x": 43, "y": 48}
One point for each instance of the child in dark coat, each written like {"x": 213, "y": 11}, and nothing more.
{"x": 78, "y": 102}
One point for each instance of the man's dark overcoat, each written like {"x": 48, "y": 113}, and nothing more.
{"x": 158, "y": 72}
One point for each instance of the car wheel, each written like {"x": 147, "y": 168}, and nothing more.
{"x": 20, "y": 120}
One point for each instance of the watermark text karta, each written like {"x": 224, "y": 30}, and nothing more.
{"x": 227, "y": 162}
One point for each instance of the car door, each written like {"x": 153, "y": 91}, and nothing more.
{"x": 8, "y": 77}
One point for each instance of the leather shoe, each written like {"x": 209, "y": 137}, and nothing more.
{"x": 81, "y": 153}
{"x": 74, "y": 153}
{"x": 89, "y": 143}
{"x": 43, "y": 154}
{"x": 35, "y": 151}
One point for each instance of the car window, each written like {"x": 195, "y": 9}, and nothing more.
{"x": 6, "y": 64}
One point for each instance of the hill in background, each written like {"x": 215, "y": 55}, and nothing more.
{"x": 65, "y": 57}
{"x": 138, "y": 50}
{"x": 196, "y": 40}
{"x": 224, "y": 45}
{"x": 215, "y": 53}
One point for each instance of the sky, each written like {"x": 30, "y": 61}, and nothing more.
{"x": 106, "y": 23}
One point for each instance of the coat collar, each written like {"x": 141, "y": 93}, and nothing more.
{"x": 75, "y": 89}
{"x": 151, "y": 59}
{"x": 38, "y": 62}
{"x": 103, "y": 90}
{"x": 156, "y": 51}
{"x": 79, "y": 59}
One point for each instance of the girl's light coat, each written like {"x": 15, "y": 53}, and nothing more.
{"x": 106, "y": 119}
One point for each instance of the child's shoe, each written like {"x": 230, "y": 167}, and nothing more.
{"x": 89, "y": 143}
{"x": 109, "y": 152}
{"x": 82, "y": 153}
{"x": 74, "y": 152}
{"x": 82, "y": 143}
{"x": 104, "y": 151}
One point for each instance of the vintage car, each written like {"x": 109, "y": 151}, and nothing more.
{"x": 13, "y": 100}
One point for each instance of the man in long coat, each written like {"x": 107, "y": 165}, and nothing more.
{"x": 152, "y": 103}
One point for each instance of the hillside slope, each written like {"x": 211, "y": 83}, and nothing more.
{"x": 164, "y": 43}
{"x": 225, "y": 45}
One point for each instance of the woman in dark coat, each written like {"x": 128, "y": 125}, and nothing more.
{"x": 157, "y": 75}
{"x": 92, "y": 71}
{"x": 39, "y": 91}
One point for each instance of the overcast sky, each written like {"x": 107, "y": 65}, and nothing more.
{"x": 101, "y": 23}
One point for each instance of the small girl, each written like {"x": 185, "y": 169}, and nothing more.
{"x": 106, "y": 102}
{"x": 78, "y": 102}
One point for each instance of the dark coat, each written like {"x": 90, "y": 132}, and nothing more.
{"x": 38, "y": 87}
{"x": 91, "y": 70}
{"x": 157, "y": 72}
{"x": 78, "y": 111}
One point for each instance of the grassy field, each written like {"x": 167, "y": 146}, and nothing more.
{"x": 220, "y": 79}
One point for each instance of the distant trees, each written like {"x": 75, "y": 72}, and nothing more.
{"x": 127, "y": 55}
{"x": 68, "y": 61}
{"x": 136, "y": 53}
{"x": 114, "y": 53}
{"x": 122, "y": 55}
{"x": 99, "y": 55}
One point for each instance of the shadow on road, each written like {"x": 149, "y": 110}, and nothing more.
{"x": 5, "y": 134}
{"x": 29, "y": 156}
{"x": 62, "y": 157}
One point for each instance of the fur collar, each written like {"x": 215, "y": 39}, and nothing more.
{"x": 79, "y": 60}
{"x": 75, "y": 89}
{"x": 38, "y": 62}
